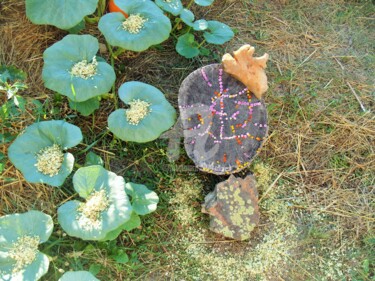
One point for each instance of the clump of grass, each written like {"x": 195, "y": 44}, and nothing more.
{"x": 202, "y": 255}
{"x": 187, "y": 193}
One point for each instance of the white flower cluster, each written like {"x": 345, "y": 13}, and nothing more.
{"x": 134, "y": 23}
{"x": 49, "y": 160}
{"x": 90, "y": 212}
{"x": 138, "y": 110}
{"x": 24, "y": 251}
{"x": 84, "y": 69}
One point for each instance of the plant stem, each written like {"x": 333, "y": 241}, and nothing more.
{"x": 112, "y": 63}
{"x": 91, "y": 20}
{"x": 176, "y": 25}
{"x": 179, "y": 19}
{"x": 190, "y": 3}
{"x": 101, "y": 7}
{"x": 118, "y": 52}
{"x": 201, "y": 44}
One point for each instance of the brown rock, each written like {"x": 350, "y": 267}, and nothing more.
{"x": 233, "y": 207}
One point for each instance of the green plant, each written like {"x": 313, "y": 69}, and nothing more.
{"x": 12, "y": 80}
{"x": 78, "y": 275}
{"x": 72, "y": 68}
{"x": 48, "y": 12}
{"x": 146, "y": 25}
{"x": 214, "y": 32}
{"x": 20, "y": 236}
{"x": 107, "y": 210}
{"x": 39, "y": 152}
{"x": 149, "y": 113}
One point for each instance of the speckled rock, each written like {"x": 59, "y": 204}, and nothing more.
{"x": 233, "y": 207}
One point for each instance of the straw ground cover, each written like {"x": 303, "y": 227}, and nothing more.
{"x": 315, "y": 173}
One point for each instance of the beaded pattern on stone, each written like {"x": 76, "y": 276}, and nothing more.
{"x": 224, "y": 124}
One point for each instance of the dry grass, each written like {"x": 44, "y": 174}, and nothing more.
{"x": 320, "y": 148}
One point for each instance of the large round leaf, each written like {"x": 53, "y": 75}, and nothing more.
{"x": 86, "y": 181}
{"x": 63, "y": 14}
{"x": 59, "y": 60}
{"x": 15, "y": 226}
{"x": 159, "y": 119}
{"x": 32, "y": 271}
{"x": 144, "y": 201}
{"x": 173, "y": 6}
{"x": 155, "y": 29}
{"x": 22, "y": 152}
{"x": 218, "y": 33}
{"x": 78, "y": 276}
{"x": 187, "y": 46}
{"x": 31, "y": 223}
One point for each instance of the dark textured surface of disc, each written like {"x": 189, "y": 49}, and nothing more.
{"x": 224, "y": 124}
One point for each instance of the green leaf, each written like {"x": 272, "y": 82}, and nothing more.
{"x": 80, "y": 275}
{"x": 174, "y": 6}
{"x": 144, "y": 201}
{"x": 20, "y": 102}
{"x": 200, "y": 25}
{"x": 61, "y": 57}
{"x": 112, "y": 235}
{"x": 85, "y": 107}
{"x": 154, "y": 30}
{"x": 15, "y": 226}
{"x": 11, "y": 73}
{"x": 187, "y": 46}
{"x": 62, "y": 14}
{"x": 161, "y": 117}
{"x": 132, "y": 223}
{"x": 95, "y": 268}
{"x": 93, "y": 159}
{"x": 218, "y": 33}
{"x": 121, "y": 256}
{"x": 39, "y": 136}
{"x": 204, "y": 51}
{"x": 78, "y": 28}
{"x": 87, "y": 181}
{"x": 203, "y": 2}
{"x": 187, "y": 17}
{"x": 32, "y": 223}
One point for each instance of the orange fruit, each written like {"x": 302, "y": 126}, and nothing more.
{"x": 114, "y": 8}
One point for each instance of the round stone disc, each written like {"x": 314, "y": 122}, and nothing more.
{"x": 224, "y": 124}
